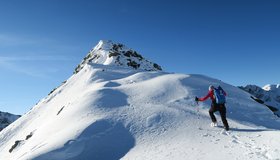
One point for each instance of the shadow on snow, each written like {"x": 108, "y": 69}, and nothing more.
{"x": 100, "y": 140}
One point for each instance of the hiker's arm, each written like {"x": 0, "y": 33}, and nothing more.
{"x": 206, "y": 97}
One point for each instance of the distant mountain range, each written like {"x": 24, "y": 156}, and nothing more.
{"x": 268, "y": 95}
{"x": 6, "y": 119}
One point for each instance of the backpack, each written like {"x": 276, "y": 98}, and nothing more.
{"x": 219, "y": 95}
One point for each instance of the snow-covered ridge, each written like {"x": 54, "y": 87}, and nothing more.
{"x": 6, "y": 119}
{"x": 110, "y": 111}
{"x": 110, "y": 53}
{"x": 269, "y": 95}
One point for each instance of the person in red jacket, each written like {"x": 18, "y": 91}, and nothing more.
{"x": 215, "y": 107}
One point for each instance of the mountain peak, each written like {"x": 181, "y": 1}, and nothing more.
{"x": 107, "y": 52}
{"x": 272, "y": 87}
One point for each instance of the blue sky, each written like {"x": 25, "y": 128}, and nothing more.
{"x": 42, "y": 41}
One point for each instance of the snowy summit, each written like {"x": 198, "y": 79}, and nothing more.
{"x": 110, "y": 53}
{"x": 272, "y": 88}
{"x": 118, "y": 105}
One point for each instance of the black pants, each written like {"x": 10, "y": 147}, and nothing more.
{"x": 222, "y": 109}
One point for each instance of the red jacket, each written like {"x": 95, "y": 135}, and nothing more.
{"x": 211, "y": 95}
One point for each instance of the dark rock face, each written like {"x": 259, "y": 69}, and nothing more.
{"x": 265, "y": 97}
{"x": 6, "y": 119}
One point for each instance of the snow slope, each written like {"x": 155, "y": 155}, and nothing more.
{"x": 115, "y": 112}
{"x": 6, "y": 119}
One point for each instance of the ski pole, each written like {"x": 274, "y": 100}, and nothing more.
{"x": 197, "y": 110}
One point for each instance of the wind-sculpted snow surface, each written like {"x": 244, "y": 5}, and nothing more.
{"x": 114, "y": 112}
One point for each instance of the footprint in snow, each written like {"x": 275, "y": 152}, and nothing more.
{"x": 224, "y": 132}
{"x": 235, "y": 137}
{"x": 206, "y": 135}
{"x": 153, "y": 120}
{"x": 235, "y": 141}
